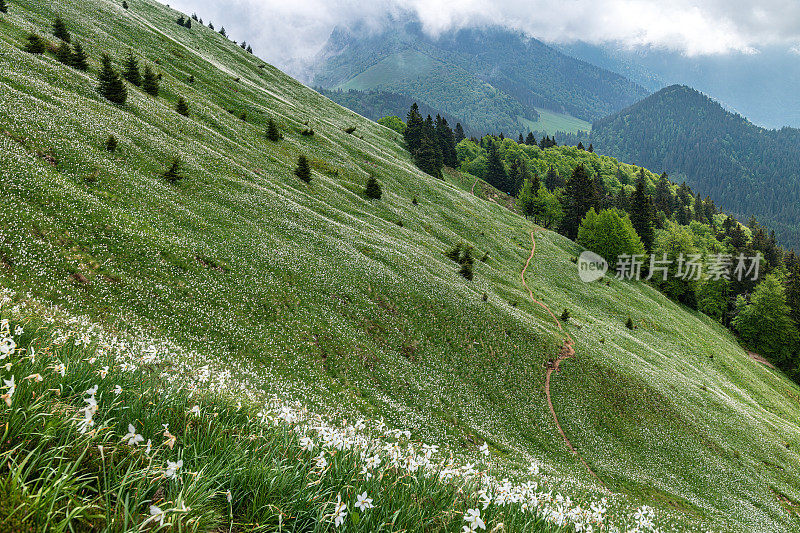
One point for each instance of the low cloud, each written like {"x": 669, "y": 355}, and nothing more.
{"x": 289, "y": 33}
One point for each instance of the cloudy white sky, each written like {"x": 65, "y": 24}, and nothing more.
{"x": 287, "y": 32}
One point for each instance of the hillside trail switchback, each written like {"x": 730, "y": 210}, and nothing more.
{"x": 567, "y": 351}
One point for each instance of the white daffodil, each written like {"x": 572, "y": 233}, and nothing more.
{"x": 157, "y": 514}
{"x": 533, "y": 469}
{"x": 229, "y": 496}
{"x": 339, "y": 512}
{"x": 103, "y": 372}
{"x": 149, "y": 447}
{"x": 11, "y": 388}
{"x": 117, "y": 390}
{"x": 195, "y": 410}
{"x": 484, "y": 449}
{"x": 60, "y": 369}
{"x": 92, "y": 391}
{"x": 132, "y": 437}
{"x": 306, "y": 443}
{"x": 35, "y": 377}
{"x": 364, "y": 503}
{"x": 7, "y": 347}
{"x": 172, "y": 468}
{"x": 473, "y": 519}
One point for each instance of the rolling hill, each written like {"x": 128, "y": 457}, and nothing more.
{"x": 243, "y": 300}
{"x": 495, "y": 80}
{"x": 747, "y": 170}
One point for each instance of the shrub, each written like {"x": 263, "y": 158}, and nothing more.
{"x": 466, "y": 271}
{"x": 190, "y": 79}
{"x": 610, "y": 234}
{"x": 79, "y": 57}
{"x": 273, "y": 134}
{"x": 173, "y": 173}
{"x": 124, "y": 4}
{"x": 455, "y": 253}
{"x": 60, "y": 30}
{"x": 3, "y": 6}
{"x": 485, "y": 297}
{"x": 182, "y": 107}
{"x": 373, "y": 189}
{"x": 111, "y": 144}
{"x": 308, "y": 132}
{"x": 350, "y": 130}
{"x": 565, "y": 315}
{"x": 35, "y": 45}
{"x": 303, "y": 171}
{"x": 629, "y": 323}
{"x": 393, "y": 123}
{"x": 110, "y": 84}
{"x": 243, "y": 116}
{"x": 149, "y": 81}
{"x": 414, "y": 201}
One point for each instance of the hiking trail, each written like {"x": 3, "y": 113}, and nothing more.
{"x": 567, "y": 351}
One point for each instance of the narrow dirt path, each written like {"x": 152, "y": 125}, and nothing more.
{"x": 567, "y": 351}
{"x": 473, "y": 186}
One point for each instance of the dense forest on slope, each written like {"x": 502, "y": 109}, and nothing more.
{"x": 747, "y": 170}
{"x": 488, "y": 78}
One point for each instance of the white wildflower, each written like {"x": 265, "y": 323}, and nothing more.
{"x": 364, "y": 503}
{"x": 172, "y": 468}
{"x": 133, "y": 437}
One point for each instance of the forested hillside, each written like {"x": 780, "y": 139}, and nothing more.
{"x": 491, "y": 79}
{"x": 747, "y": 170}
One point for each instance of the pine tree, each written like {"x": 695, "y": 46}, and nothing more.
{"x": 496, "y": 173}
{"x": 111, "y": 144}
{"x": 181, "y": 21}
{"x": 580, "y": 145}
{"x": 149, "y": 81}
{"x": 579, "y": 197}
{"x": 124, "y": 4}
{"x": 273, "y": 134}
{"x": 223, "y": 32}
{"x": 131, "y": 70}
{"x": 530, "y": 140}
{"x": 182, "y": 107}
{"x": 552, "y": 180}
{"x": 526, "y": 198}
{"x": 373, "y": 189}
{"x": 188, "y": 24}
{"x": 3, "y": 6}
{"x": 662, "y": 200}
{"x": 249, "y": 49}
{"x": 35, "y": 44}
{"x": 459, "y": 133}
{"x": 303, "y": 171}
{"x": 210, "y": 25}
{"x": 64, "y": 54}
{"x": 79, "y": 57}
{"x": 521, "y": 139}
{"x": 110, "y": 84}
{"x": 447, "y": 142}
{"x": 60, "y": 30}
{"x": 642, "y": 216}
{"x": 591, "y": 148}
{"x": 428, "y": 157}
{"x": 466, "y": 261}
{"x": 173, "y": 173}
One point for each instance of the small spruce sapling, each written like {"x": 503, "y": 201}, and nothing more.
{"x": 131, "y": 70}
{"x": 35, "y": 44}
{"x": 64, "y": 54}
{"x": 303, "y": 170}
{"x": 110, "y": 84}
{"x": 111, "y": 144}
{"x": 60, "y": 30}
{"x": 79, "y": 57}
{"x": 149, "y": 81}
{"x": 373, "y": 189}
{"x": 629, "y": 323}
{"x": 173, "y": 173}
{"x": 565, "y": 315}
{"x": 124, "y": 4}
{"x": 272, "y": 131}
{"x": 182, "y": 107}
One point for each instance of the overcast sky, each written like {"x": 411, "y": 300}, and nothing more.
{"x": 288, "y": 32}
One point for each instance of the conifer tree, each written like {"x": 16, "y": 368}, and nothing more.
{"x": 580, "y": 146}
{"x": 662, "y": 200}
{"x": 496, "y": 173}
{"x": 60, "y": 30}
{"x": 173, "y": 173}
{"x": 642, "y": 216}
{"x": 111, "y": 144}
{"x": 521, "y": 139}
{"x": 131, "y": 70}
{"x": 459, "y": 133}
{"x": 526, "y": 198}
{"x": 414, "y": 128}
{"x": 273, "y": 134}
{"x": 591, "y": 148}
{"x": 3, "y": 6}
{"x": 428, "y": 157}
{"x": 182, "y": 107}
{"x": 35, "y": 44}
{"x": 210, "y": 25}
{"x": 447, "y": 143}
{"x": 466, "y": 261}
{"x": 79, "y": 57}
{"x": 552, "y": 180}
{"x": 223, "y": 32}
{"x": 249, "y": 49}
{"x": 530, "y": 140}
{"x": 373, "y": 189}
{"x": 124, "y": 4}
{"x": 579, "y": 197}
{"x": 188, "y": 24}
{"x": 181, "y": 21}
{"x": 150, "y": 81}
{"x": 64, "y": 54}
{"x": 110, "y": 84}
{"x": 303, "y": 170}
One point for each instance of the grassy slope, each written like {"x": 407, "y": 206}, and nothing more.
{"x": 319, "y": 295}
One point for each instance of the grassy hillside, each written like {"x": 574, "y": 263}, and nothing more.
{"x": 265, "y": 285}
{"x": 551, "y": 122}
